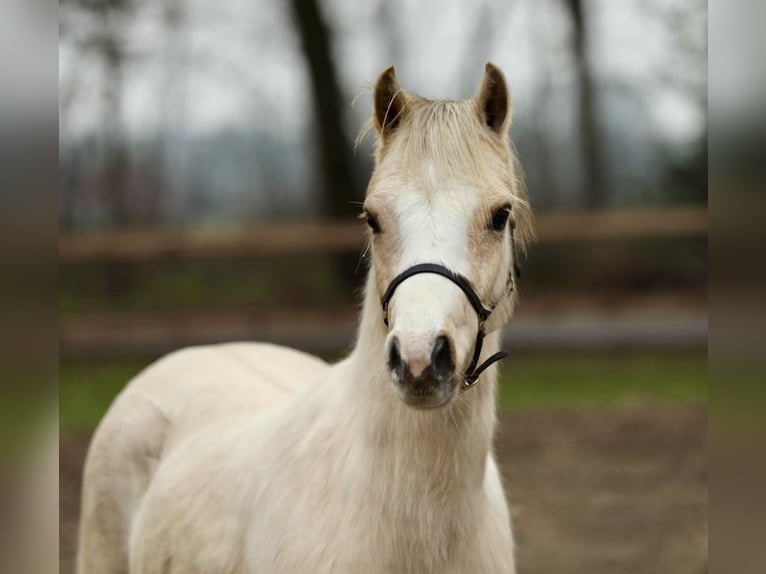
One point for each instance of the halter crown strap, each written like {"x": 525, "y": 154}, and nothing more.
{"x": 471, "y": 376}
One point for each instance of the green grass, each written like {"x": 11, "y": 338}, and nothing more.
{"x": 583, "y": 379}
{"x": 86, "y": 389}
{"x": 25, "y": 416}
{"x": 536, "y": 380}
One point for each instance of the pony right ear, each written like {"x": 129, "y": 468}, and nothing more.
{"x": 493, "y": 100}
{"x": 389, "y": 103}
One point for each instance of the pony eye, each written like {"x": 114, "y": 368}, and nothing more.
{"x": 500, "y": 218}
{"x": 372, "y": 221}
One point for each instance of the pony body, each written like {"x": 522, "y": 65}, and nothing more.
{"x": 248, "y": 458}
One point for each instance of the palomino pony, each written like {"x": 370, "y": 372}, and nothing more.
{"x": 252, "y": 458}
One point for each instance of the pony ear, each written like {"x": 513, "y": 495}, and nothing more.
{"x": 493, "y": 100}
{"x": 389, "y": 103}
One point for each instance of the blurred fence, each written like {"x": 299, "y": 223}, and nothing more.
{"x": 115, "y": 332}
{"x": 341, "y": 236}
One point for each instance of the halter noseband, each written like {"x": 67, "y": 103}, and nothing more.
{"x": 471, "y": 376}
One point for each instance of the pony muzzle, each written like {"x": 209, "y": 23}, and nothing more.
{"x": 442, "y": 350}
{"x": 423, "y": 373}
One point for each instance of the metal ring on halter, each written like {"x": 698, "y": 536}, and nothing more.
{"x": 471, "y": 376}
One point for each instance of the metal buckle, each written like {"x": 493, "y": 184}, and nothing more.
{"x": 511, "y": 282}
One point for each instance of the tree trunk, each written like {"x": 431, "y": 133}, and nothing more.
{"x": 336, "y": 170}
{"x": 335, "y": 149}
{"x": 118, "y": 276}
{"x": 590, "y": 138}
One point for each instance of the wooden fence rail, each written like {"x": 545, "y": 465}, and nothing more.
{"x": 336, "y": 236}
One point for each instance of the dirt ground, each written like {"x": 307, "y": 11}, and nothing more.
{"x": 603, "y": 490}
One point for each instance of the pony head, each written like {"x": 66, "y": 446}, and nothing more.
{"x": 447, "y": 190}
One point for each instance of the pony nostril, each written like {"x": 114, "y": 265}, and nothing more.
{"x": 395, "y": 362}
{"x": 442, "y": 364}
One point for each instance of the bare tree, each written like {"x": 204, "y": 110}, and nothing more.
{"x": 107, "y": 42}
{"x": 686, "y": 177}
{"x": 335, "y": 148}
{"x": 590, "y": 135}
{"x": 336, "y": 168}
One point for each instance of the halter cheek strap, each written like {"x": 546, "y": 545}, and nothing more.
{"x": 471, "y": 376}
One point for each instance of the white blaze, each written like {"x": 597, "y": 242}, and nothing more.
{"x": 433, "y": 228}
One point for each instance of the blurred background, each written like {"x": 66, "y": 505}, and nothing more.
{"x": 208, "y": 187}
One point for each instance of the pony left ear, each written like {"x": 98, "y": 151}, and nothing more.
{"x": 493, "y": 100}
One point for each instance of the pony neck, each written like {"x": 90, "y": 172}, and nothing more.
{"x": 450, "y": 443}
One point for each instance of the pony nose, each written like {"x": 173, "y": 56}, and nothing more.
{"x": 395, "y": 362}
{"x": 442, "y": 363}
{"x": 440, "y": 367}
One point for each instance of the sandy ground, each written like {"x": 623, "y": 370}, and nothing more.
{"x": 596, "y": 491}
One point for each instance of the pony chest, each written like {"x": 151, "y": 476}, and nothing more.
{"x": 358, "y": 530}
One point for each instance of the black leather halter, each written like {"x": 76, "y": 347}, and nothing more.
{"x": 471, "y": 376}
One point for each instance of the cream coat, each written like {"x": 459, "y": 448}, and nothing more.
{"x": 250, "y": 458}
